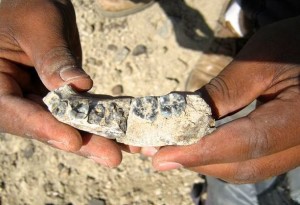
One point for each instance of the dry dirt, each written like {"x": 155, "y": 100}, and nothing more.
{"x": 149, "y": 53}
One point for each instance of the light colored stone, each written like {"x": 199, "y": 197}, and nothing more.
{"x": 173, "y": 119}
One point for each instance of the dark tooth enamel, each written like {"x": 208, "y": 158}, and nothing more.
{"x": 146, "y": 107}
{"x": 80, "y": 109}
{"x": 96, "y": 114}
{"x": 172, "y": 104}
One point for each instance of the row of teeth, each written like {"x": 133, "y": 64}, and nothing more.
{"x": 145, "y": 108}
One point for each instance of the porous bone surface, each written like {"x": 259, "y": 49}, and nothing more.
{"x": 173, "y": 119}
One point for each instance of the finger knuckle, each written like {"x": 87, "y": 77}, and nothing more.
{"x": 223, "y": 90}
{"x": 219, "y": 85}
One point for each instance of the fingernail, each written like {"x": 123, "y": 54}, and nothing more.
{"x": 57, "y": 144}
{"x": 99, "y": 160}
{"x": 166, "y": 166}
{"x": 149, "y": 151}
{"x": 71, "y": 73}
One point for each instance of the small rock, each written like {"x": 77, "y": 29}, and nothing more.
{"x": 60, "y": 166}
{"x": 94, "y": 61}
{"x": 165, "y": 29}
{"x": 112, "y": 47}
{"x": 97, "y": 202}
{"x": 122, "y": 54}
{"x": 139, "y": 50}
{"x": 117, "y": 90}
{"x": 29, "y": 151}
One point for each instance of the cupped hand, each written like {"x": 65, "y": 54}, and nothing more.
{"x": 40, "y": 51}
{"x": 267, "y": 141}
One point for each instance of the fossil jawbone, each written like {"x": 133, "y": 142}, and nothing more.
{"x": 173, "y": 119}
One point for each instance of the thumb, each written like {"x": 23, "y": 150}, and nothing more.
{"x": 239, "y": 84}
{"x": 50, "y": 39}
{"x": 57, "y": 66}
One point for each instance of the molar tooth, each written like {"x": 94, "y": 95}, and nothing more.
{"x": 145, "y": 107}
{"x": 165, "y": 107}
{"x": 96, "y": 114}
{"x": 178, "y": 104}
{"x": 80, "y": 109}
{"x": 172, "y": 104}
{"x": 60, "y": 108}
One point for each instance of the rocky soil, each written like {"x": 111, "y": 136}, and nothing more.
{"x": 149, "y": 53}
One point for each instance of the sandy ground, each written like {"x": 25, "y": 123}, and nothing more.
{"x": 149, "y": 53}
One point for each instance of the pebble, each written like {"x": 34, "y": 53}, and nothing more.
{"x": 165, "y": 29}
{"x": 117, "y": 90}
{"x": 139, "y": 50}
{"x": 29, "y": 151}
{"x": 112, "y": 47}
{"x": 122, "y": 54}
{"x": 97, "y": 202}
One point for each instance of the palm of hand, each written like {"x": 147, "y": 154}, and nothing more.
{"x": 266, "y": 142}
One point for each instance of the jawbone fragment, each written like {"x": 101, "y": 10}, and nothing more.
{"x": 173, "y": 119}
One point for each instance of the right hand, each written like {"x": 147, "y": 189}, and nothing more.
{"x": 39, "y": 49}
{"x": 266, "y": 142}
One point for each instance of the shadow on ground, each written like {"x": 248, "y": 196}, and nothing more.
{"x": 193, "y": 32}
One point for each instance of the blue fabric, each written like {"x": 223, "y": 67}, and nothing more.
{"x": 260, "y": 13}
{"x": 294, "y": 183}
{"x": 221, "y": 193}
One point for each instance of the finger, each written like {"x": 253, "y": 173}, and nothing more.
{"x": 49, "y": 48}
{"x": 25, "y": 118}
{"x": 256, "y": 170}
{"x": 254, "y": 73}
{"x": 12, "y": 70}
{"x": 103, "y": 151}
{"x": 27, "y": 79}
{"x": 129, "y": 148}
{"x": 149, "y": 151}
{"x": 233, "y": 88}
{"x": 271, "y": 128}
{"x": 57, "y": 66}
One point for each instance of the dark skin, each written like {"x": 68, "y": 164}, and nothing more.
{"x": 265, "y": 143}
{"x": 40, "y": 51}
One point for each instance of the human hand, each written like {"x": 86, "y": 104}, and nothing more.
{"x": 39, "y": 49}
{"x": 267, "y": 141}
